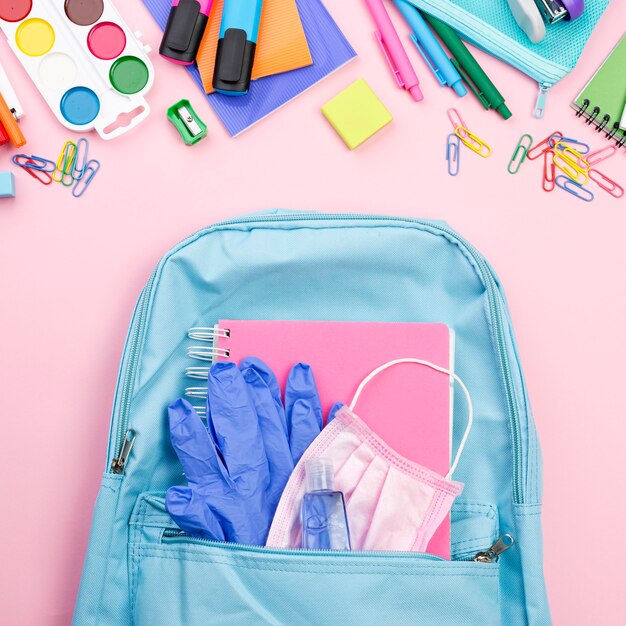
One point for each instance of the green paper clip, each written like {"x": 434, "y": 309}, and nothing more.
{"x": 191, "y": 128}
{"x": 521, "y": 152}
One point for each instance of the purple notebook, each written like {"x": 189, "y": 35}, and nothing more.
{"x": 329, "y": 49}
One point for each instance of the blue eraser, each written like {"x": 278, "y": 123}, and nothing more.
{"x": 7, "y": 185}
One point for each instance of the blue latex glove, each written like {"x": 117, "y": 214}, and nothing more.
{"x": 238, "y": 467}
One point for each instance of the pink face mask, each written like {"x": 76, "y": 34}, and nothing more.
{"x": 392, "y": 503}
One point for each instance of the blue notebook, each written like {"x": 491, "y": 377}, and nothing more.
{"x": 330, "y": 51}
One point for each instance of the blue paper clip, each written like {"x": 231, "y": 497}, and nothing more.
{"x": 576, "y": 189}
{"x": 453, "y": 154}
{"x": 89, "y": 171}
{"x": 579, "y": 146}
{"x": 32, "y": 162}
{"x": 80, "y": 160}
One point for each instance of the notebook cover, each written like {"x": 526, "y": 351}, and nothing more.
{"x": 407, "y": 405}
{"x": 281, "y": 46}
{"x": 329, "y": 49}
{"x": 607, "y": 87}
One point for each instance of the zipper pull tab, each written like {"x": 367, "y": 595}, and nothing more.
{"x": 118, "y": 464}
{"x": 502, "y": 544}
{"x": 542, "y": 97}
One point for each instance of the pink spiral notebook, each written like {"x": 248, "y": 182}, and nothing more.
{"x": 408, "y": 405}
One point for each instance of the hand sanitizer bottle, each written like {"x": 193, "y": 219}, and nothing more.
{"x": 323, "y": 513}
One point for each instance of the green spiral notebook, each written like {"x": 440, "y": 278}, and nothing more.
{"x": 602, "y": 100}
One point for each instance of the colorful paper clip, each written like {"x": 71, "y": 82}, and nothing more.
{"x": 68, "y": 152}
{"x": 576, "y": 189}
{"x": 453, "y": 154}
{"x": 541, "y": 148}
{"x": 597, "y": 156}
{"x": 469, "y": 139}
{"x": 43, "y": 176}
{"x": 571, "y": 168}
{"x": 549, "y": 171}
{"x": 67, "y": 177}
{"x": 455, "y": 118}
{"x": 33, "y": 162}
{"x": 90, "y": 170}
{"x": 572, "y": 156}
{"x": 80, "y": 160}
{"x": 604, "y": 182}
{"x": 557, "y": 138}
{"x": 520, "y": 153}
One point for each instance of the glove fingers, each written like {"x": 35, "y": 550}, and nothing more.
{"x": 303, "y": 409}
{"x": 333, "y": 410}
{"x": 236, "y": 426}
{"x": 263, "y": 370}
{"x": 193, "y": 445}
{"x": 192, "y": 514}
{"x": 274, "y": 432}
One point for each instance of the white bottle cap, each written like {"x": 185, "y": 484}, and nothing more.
{"x": 319, "y": 475}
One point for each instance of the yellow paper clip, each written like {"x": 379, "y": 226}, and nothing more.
{"x": 468, "y": 138}
{"x": 65, "y": 162}
{"x": 571, "y": 168}
{"x": 573, "y": 156}
{"x": 474, "y": 143}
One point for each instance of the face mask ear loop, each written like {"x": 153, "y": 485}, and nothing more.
{"x": 443, "y": 370}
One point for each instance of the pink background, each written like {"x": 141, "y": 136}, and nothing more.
{"x": 72, "y": 269}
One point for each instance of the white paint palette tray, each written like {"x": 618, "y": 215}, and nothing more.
{"x": 91, "y": 69}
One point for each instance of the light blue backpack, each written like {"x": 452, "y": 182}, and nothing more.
{"x": 287, "y": 265}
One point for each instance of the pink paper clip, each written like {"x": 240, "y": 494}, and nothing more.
{"x": 593, "y": 158}
{"x": 457, "y": 121}
{"x": 549, "y": 171}
{"x": 541, "y": 148}
{"x": 604, "y": 182}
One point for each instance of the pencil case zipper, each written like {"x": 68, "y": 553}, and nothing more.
{"x": 492, "y": 41}
{"x": 124, "y": 437}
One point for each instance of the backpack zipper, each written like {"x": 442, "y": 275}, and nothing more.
{"x": 136, "y": 338}
{"x": 174, "y": 535}
{"x": 502, "y": 544}
{"x": 489, "y": 555}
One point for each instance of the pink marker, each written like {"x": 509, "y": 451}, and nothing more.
{"x": 393, "y": 51}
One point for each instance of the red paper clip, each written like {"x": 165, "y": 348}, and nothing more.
{"x": 604, "y": 182}
{"x": 38, "y": 174}
{"x": 541, "y": 148}
{"x": 549, "y": 171}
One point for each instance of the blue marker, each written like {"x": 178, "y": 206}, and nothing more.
{"x": 236, "y": 46}
{"x": 431, "y": 49}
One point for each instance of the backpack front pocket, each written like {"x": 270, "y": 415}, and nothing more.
{"x": 176, "y": 579}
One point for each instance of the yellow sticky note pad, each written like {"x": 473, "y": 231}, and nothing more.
{"x": 356, "y": 113}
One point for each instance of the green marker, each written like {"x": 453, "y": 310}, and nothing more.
{"x": 468, "y": 67}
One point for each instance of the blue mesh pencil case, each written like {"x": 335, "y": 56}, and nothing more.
{"x": 489, "y": 24}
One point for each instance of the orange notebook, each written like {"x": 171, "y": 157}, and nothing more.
{"x": 282, "y": 44}
{"x": 408, "y": 406}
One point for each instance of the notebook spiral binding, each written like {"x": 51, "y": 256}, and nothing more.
{"x": 602, "y": 124}
{"x": 209, "y": 352}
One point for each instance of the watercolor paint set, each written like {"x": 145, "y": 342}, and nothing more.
{"x": 90, "y": 68}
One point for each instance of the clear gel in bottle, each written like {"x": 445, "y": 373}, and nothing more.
{"x": 323, "y": 514}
